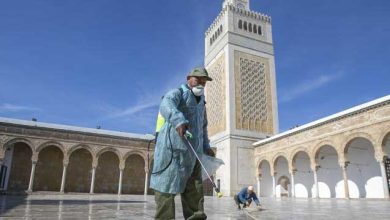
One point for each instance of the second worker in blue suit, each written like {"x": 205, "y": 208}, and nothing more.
{"x": 245, "y": 197}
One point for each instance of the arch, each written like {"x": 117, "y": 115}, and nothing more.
{"x": 317, "y": 147}
{"x": 295, "y": 153}
{"x": 48, "y": 171}
{"x": 362, "y": 166}
{"x": 108, "y": 149}
{"x": 353, "y": 136}
{"x": 260, "y": 160}
{"x": 107, "y": 172}
{"x": 245, "y": 26}
{"x": 78, "y": 173}
{"x": 220, "y": 27}
{"x": 50, "y": 143}
{"x": 280, "y": 154}
{"x": 250, "y": 27}
{"x": 255, "y": 28}
{"x": 137, "y": 152}
{"x": 327, "y": 168}
{"x": 259, "y": 166}
{"x": 20, "y": 140}
{"x": 240, "y": 24}
{"x": 19, "y": 163}
{"x": 134, "y": 175}
{"x": 301, "y": 168}
{"x": 80, "y": 146}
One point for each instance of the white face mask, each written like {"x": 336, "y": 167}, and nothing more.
{"x": 198, "y": 90}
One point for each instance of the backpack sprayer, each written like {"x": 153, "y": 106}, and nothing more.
{"x": 189, "y": 135}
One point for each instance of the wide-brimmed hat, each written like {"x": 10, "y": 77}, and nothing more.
{"x": 200, "y": 72}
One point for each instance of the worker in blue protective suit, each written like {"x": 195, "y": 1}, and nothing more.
{"x": 175, "y": 168}
{"x": 245, "y": 197}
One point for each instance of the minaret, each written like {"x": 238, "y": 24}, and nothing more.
{"x": 241, "y": 101}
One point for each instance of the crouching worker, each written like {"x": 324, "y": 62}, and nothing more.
{"x": 176, "y": 169}
{"x": 245, "y": 197}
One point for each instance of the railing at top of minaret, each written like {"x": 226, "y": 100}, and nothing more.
{"x": 250, "y": 14}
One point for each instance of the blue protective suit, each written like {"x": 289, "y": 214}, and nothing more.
{"x": 244, "y": 196}
{"x": 178, "y": 107}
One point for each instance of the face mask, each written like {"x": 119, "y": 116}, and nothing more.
{"x": 198, "y": 90}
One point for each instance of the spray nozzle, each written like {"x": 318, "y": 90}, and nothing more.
{"x": 188, "y": 134}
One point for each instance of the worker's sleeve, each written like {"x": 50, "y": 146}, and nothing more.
{"x": 241, "y": 196}
{"x": 169, "y": 110}
{"x": 206, "y": 141}
{"x": 255, "y": 199}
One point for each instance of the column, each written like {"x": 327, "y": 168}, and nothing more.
{"x": 346, "y": 188}
{"x": 316, "y": 183}
{"x": 30, "y": 185}
{"x": 384, "y": 180}
{"x": 292, "y": 173}
{"x": 63, "y": 178}
{"x": 120, "y": 182}
{"x": 274, "y": 185}
{"x": 92, "y": 180}
{"x": 258, "y": 185}
{"x": 146, "y": 181}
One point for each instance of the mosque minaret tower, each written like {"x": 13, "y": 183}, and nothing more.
{"x": 242, "y": 100}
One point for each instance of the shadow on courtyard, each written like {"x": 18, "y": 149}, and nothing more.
{"x": 8, "y": 202}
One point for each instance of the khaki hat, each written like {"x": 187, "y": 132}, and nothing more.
{"x": 200, "y": 72}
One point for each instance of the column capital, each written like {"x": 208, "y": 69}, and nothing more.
{"x": 315, "y": 167}
{"x": 380, "y": 157}
{"x": 122, "y": 165}
{"x": 146, "y": 169}
{"x": 344, "y": 164}
{"x": 94, "y": 163}
{"x": 293, "y": 171}
{"x": 65, "y": 162}
{"x": 34, "y": 158}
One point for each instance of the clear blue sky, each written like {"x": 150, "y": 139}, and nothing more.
{"x": 107, "y": 62}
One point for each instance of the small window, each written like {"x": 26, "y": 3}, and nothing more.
{"x": 240, "y": 24}
{"x": 255, "y": 29}
{"x": 220, "y": 27}
{"x": 259, "y": 30}
{"x": 211, "y": 41}
{"x": 245, "y": 26}
{"x": 250, "y": 27}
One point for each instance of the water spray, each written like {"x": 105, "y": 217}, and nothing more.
{"x": 189, "y": 135}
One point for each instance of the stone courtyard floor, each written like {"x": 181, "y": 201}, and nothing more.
{"x": 104, "y": 206}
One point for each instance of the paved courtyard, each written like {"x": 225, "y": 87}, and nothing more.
{"x": 84, "y": 206}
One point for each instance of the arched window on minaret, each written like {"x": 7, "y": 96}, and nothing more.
{"x": 221, "y": 28}
{"x": 254, "y": 28}
{"x": 250, "y": 27}
{"x": 245, "y": 26}
{"x": 211, "y": 41}
{"x": 259, "y": 30}
{"x": 240, "y": 24}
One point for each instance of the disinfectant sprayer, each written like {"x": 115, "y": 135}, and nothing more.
{"x": 189, "y": 135}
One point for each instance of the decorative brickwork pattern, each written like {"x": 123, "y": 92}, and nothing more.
{"x": 216, "y": 97}
{"x": 253, "y": 93}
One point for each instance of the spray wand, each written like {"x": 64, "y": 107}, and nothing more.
{"x": 189, "y": 135}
